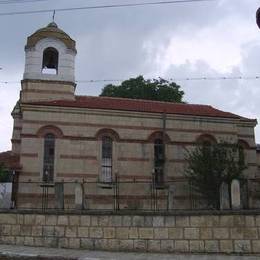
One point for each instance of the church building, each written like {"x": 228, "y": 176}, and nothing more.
{"x": 63, "y": 138}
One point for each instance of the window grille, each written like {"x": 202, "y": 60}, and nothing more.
{"x": 159, "y": 162}
{"x": 49, "y": 157}
{"x": 106, "y": 167}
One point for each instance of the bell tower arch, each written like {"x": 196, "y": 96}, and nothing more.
{"x": 49, "y": 72}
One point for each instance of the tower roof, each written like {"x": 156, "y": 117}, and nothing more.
{"x": 51, "y": 31}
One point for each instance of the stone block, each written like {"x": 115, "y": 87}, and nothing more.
{"x": 239, "y": 221}
{"x": 206, "y": 233}
{"x": 19, "y": 241}
{"x": 20, "y": 219}
{"x": 37, "y": 231}
{"x": 138, "y": 221}
{"x": 210, "y": 221}
{"x": 48, "y": 231}
{"x": 87, "y": 243}
{"x": 59, "y": 231}
{"x": 158, "y": 221}
{"x": 104, "y": 221}
{"x": 182, "y": 246}
{"x": 51, "y": 241}
{"x": 26, "y": 230}
{"x": 226, "y": 246}
{"x": 40, "y": 220}
{"x": 250, "y": 233}
{"x": 71, "y": 231}
{"x": 28, "y": 241}
{"x": 85, "y": 220}
{"x": 175, "y": 233}
{"x": 191, "y": 233}
{"x": 257, "y": 220}
{"x": 83, "y": 232}
{"x": 74, "y": 243}
{"x": 63, "y": 220}
{"x": 161, "y": 233}
{"x": 182, "y": 221}
{"x": 126, "y": 245}
{"x": 15, "y": 230}
{"x": 29, "y": 219}
{"x": 63, "y": 242}
{"x": 220, "y": 233}
{"x": 133, "y": 233}
{"x": 146, "y": 233}
{"x": 74, "y": 220}
{"x": 126, "y": 221}
{"x": 167, "y": 245}
{"x": 140, "y": 245}
{"x": 196, "y": 246}
{"x": 256, "y": 246}
{"x": 116, "y": 221}
{"x": 212, "y": 246}
{"x": 8, "y": 240}
{"x": 7, "y": 219}
{"x": 101, "y": 244}
{"x": 95, "y": 232}
{"x": 109, "y": 232}
{"x": 5, "y": 230}
{"x": 236, "y": 233}
{"x": 122, "y": 232}
{"x": 226, "y": 221}
{"x": 94, "y": 221}
{"x": 242, "y": 246}
{"x": 250, "y": 221}
{"x": 51, "y": 220}
{"x": 198, "y": 221}
{"x": 38, "y": 241}
{"x": 154, "y": 245}
{"x": 113, "y": 245}
{"x": 170, "y": 221}
{"x": 148, "y": 221}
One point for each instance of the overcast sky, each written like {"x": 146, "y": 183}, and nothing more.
{"x": 215, "y": 39}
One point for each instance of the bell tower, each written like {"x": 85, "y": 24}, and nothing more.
{"x": 49, "y": 66}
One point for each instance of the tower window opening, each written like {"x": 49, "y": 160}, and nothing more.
{"x": 50, "y": 61}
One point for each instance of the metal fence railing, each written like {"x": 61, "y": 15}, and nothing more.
{"x": 116, "y": 195}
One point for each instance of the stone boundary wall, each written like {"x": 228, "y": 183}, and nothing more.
{"x": 220, "y": 233}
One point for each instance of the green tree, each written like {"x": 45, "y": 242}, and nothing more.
{"x": 139, "y": 88}
{"x": 208, "y": 166}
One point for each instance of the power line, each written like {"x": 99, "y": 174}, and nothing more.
{"x": 104, "y": 6}
{"x": 169, "y": 79}
{"x": 6, "y": 2}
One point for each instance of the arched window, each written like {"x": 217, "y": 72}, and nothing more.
{"x": 49, "y": 157}
{"x": 50, "y": 61}
{"x": 159, "y": 160}
{"x": 106, "y": 160}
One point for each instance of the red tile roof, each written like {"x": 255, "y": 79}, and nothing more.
{"x": 10, "y": 160}
{"x": 138, "y": 105}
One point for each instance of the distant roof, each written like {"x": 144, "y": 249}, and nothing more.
{"x": 139, "y": 105}
{"x": 10, "y": 160}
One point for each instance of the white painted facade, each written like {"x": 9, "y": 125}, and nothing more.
{"x": 34, "y": 58}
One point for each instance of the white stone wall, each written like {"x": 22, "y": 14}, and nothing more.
{"x": 34, "y": 57}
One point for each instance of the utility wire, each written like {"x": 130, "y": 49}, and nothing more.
{"x": 105, "y": 6}
{"x": 6, "y": 2}
{"x": 169, "y": 79}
